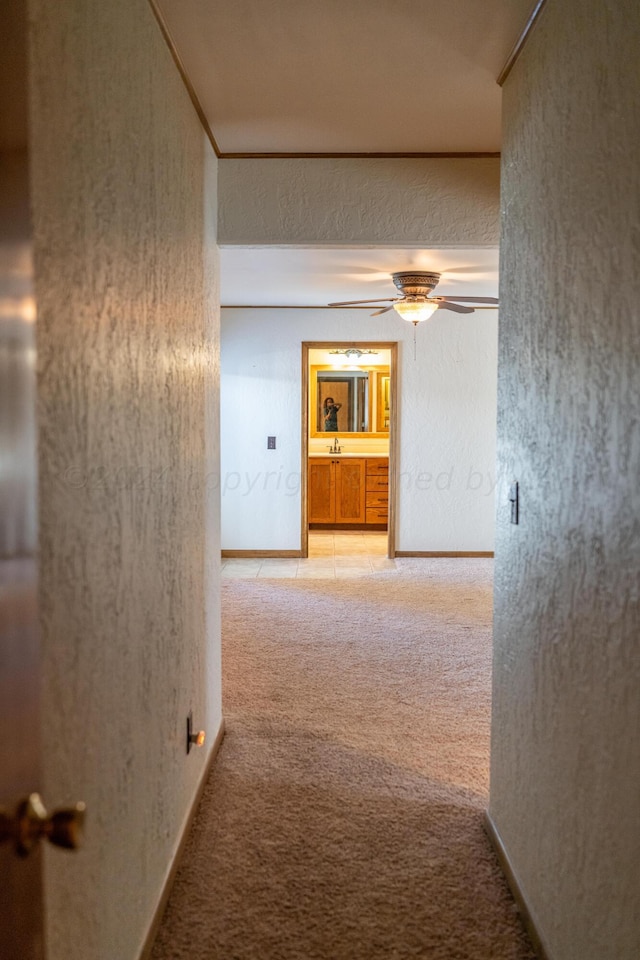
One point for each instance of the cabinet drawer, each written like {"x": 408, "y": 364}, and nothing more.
{"x": 377, "y": 515}
{"x": 380, "y": 483}
{"x": 380, "y": 500}
{"x": 378, "y": 466}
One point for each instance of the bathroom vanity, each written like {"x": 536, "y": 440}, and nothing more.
{"x": 347, "y": 489}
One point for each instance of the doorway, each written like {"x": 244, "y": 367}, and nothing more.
{"x": 349, "y": 440}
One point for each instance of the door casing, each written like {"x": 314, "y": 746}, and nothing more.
{"x": 392, "y": 346}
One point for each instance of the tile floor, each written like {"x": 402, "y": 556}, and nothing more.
{"x": 333, "y": 554}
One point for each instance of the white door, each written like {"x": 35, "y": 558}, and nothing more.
{"x": 23, "y": 820}
{"x": 20, "y": 876}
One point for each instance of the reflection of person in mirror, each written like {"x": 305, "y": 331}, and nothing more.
{"x": 330, "y": 413}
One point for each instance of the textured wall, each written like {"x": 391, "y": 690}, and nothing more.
{"x": 383, "y": 201}
{"x": 566, "y": 725}
{"x": 446, "y": 424}
{"x": 124, "y": 205}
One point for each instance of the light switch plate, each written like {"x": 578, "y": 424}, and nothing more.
{"x": 271, "y": 443}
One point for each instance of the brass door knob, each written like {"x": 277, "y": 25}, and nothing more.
{"x": 31, "y": 822}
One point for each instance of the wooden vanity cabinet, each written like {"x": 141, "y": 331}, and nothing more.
{"x": 348, "y": 490}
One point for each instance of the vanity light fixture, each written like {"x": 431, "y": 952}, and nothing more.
{"x": 354, "y": 352}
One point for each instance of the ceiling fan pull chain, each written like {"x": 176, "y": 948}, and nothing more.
{"x": 414, "y": 340}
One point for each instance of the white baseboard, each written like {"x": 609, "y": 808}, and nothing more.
{"x": 156, "y": 920}
{"x": 528, "y": 916}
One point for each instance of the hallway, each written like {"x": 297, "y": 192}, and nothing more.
{"x": 146, "y": 148}
{"x": 343, "y": 817}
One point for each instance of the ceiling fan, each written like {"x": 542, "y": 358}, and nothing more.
{"x": 415, "y": 304}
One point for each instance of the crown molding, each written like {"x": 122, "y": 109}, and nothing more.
{"x": 306, "y": 306}
{"x": 355, "y": 155}
{"x": 481, "y": 155}
{"x": 287, "y": 306}
{"x": 177, "y": 59}
{"x": 520, "y": 42}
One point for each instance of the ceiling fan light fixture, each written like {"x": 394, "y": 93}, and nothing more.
{"x": 415, "y": 310}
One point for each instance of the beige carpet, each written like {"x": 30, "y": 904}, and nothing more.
{"x": 343, "y": 819}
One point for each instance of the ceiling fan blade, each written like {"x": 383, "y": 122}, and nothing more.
{"x": 347, "y": 303}
{"x": 471, "y": 299}
{"x": 384, "y": 310}
{"x": 456, "y": 307}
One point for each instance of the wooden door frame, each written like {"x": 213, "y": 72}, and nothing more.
{"x": 392, "y": 346}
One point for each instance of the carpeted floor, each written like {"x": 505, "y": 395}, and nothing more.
{"x": 343, "y": 818}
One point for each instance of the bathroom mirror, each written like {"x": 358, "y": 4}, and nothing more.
{"x": 350, "y": 400}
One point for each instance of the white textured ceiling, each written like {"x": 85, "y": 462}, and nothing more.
{"x": 286, "y": 276}
{"x": 347, "y": 76}
{"x": 335, "y": 76}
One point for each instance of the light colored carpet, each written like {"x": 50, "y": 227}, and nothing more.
{"x": 343, "y": 818}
